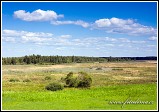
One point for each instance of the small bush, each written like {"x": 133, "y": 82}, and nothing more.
{"x": 26, "y": 80}
{"x": 47, "y": 78}
{"x": 14, "y": 80}
{"x": 70, "y": 74}
{"x": 54, "y": 87}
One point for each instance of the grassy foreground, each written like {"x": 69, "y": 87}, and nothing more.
{"x": 112, "y": 82}
{"x": 89, "y": 99}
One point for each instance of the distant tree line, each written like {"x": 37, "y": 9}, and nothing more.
{"x": 38, "y": 59}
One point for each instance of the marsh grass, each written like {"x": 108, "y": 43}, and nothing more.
{"x": 136, "y": 79}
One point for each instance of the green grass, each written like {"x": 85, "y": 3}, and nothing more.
{"x": 114, "y": 82}
{"x": 81, "y": 99}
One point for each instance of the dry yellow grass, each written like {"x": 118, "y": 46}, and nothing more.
{"x": 130, "y": 71}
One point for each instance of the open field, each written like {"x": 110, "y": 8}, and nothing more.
{"x": 111, "y": 82}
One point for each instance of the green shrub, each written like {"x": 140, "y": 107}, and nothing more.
{"x": 14, "y": 80}
{"x": 69, "y": 75}
{"x": 54, "y": 87}
{"x": 68, "y": 78}
{"x": 26, "y": 80}
{"x": 73, "y": 82}
{"x": 47, "y": 78}
{"x": 84, "y": 80}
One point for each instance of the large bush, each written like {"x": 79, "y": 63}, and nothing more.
{"x": 84, "y": 80}
{"x": 54, "y": 87}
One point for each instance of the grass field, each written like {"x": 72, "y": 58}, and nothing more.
{"x": 112, "y": 82}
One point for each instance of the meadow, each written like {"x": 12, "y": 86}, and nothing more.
{"x": 113, "y": 81}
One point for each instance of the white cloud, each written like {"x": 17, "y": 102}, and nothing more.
{"x": 125, "y": 40}
{"x": 103, "y": 23}
{"x": 110, "y": 45}
{"x": 37, "y": 15}
{"x": 65, "y": 36}
{"x": 151, "y": 45}
{"x": 78, "y": 22}
{"x": 60, "y": 48}
{"x": 34, "y": 39}
{"x": 112, "y": 25}
{"x": 49, "y": 15}
{"x": 129, "y": 26}
{"x": 25, "y": 36}
{"x": 8, "y": 39}
{"x": 62, "y": 42}
{"x": 110, "y": 39}
{"x": 11, "y": 33}
{"x": 153, "y": 38}
{"x": 138, "y": 42}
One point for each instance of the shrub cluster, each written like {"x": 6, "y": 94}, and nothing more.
{"x": 83, "y": 80}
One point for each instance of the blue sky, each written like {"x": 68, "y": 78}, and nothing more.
{"x": 79, "y": 28}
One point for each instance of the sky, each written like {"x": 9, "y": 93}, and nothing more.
{"x": 98, "y": 29}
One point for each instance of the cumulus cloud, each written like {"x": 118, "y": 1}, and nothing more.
{"x": 128, "y": 26}
{"x": 37, "y": 15}
{"x": 103, "y": 23}
{"x": 25, "y": 36}
{"x": 153, "y": 38}
{"x": 62, "y": 41}
{"x": 110, "y": 25}
{"x": 78, "y": 22}
{"x": 48, "y": 15}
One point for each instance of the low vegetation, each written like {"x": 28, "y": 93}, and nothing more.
{"x": 54, "y": 86}
{"x": 66, "y": 90}
{"x": 26, "y": 80}
{"x": 47, "y": 78}
{"x": 14, "y": 80}
{"x": 98, "y": 68}
{"x": 117, "y": 69}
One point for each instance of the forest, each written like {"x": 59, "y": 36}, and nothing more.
{"x": 38, "y": 59}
